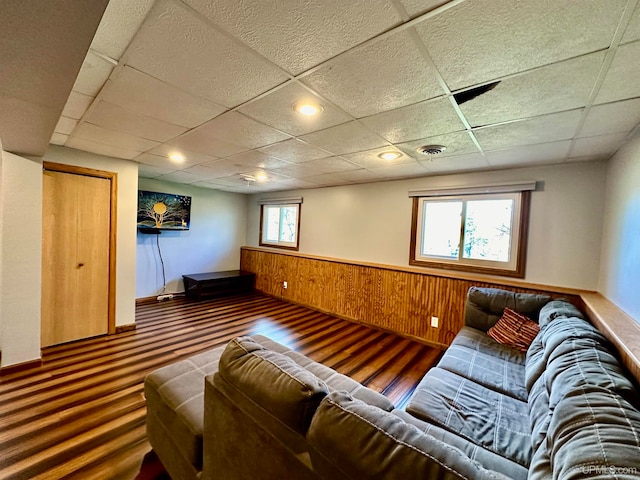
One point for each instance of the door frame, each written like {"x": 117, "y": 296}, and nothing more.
{"x": 113, "y": 178}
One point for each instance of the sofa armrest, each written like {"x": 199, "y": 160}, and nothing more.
{"x": 484, "y": 306}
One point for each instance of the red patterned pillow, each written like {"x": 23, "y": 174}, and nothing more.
{"x": 515, "y": 330}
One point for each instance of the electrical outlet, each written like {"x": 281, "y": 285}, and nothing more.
{"x": 434, "y": 322}
{"x": 284, "y": 285}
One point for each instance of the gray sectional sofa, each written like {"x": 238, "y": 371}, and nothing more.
{"x": 257, "y": 410}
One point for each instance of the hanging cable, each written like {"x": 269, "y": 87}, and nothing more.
{"x": 164, "y": 278}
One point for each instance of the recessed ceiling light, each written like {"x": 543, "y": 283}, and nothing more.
{"x": 177, "y": 157}
{"x": 389, "y": 155}
{"x": 308, "y": 109}
{"x": 261, "y": 177}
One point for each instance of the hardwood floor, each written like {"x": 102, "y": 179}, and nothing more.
{"x": 82, "y": 413}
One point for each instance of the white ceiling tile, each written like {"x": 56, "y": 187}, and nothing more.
{"x": 207, "y": 184}
{"x": 346, "y": 138}
{"x": 162, "y": 161}
{"x": 298, "y": 171}
{"x": 119, "y": 24}
{"x": 370, "y": 158}
{"x": 420, "y": 120}
{"x": 152, "y": 97}
{"x": 547, "y": 153}
{"x": 457, "y": 143}
{"x": 543, "y": 129}
{"x": 402, "y": 170}
{"x": 58, "y": 138}
{"x": 244, "y": 189}
{"x": 190, "y": 157}
{"x": 602, "y": 146}
{"x": 239, "y": 181}
{"x": 198, "y": 141}
{"x": 276, "y": 109}
{"x": 553, "y": 88}
{"x": 94, "y": 73}
{"x": 307, "y": 32}
{"x": 203, "y": 172}
{"x": 66, "y": 125}
{"x": 111, "y": 137}
{"x": 92, "y": 146}
{"x": 150, "y": 171}
{"x": 358, "y": 176}
{"x": 380, "y": 76}
{"x": 456, "y": 163}
{"x": 224, "y": 168}
{"x": 618, "y": 117}
{"x": 216, "y": 67}
{"x": 293, "y": 183}
{"x": 294, "y": 150}
{"x": 241, "y": 130}
{"x": 180, "y": 177}
{"x": 623, "y": 77}
{"x": 633, "y": 29}
{"x": 115, "y": 117}
{"x": 76, "y": 105}
{"x": 418, "y": 7}
{"x": 474, "y": 42}
{"x": 255, "y": 158}
{"x": 330, "y": 165}
{"x": 593, "y": 158}
{"x": 326, "y": 180}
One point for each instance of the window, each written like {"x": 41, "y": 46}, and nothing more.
{"x": 280, "y": 223}
{"x": 462, "y": 229}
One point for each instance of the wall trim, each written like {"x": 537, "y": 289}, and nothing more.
{"x": 125, "y": 328}
{"x": 434, "y": 272}
{"x": 19, "y": 367}
{"x": 621, "y": 329}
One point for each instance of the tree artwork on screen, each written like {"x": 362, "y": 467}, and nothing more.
{"x": 163, "y": 211}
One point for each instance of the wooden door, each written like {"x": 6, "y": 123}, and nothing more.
{"x": 76, "y": 257}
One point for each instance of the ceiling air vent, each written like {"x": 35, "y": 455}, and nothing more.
{"x": 431, "y": 150}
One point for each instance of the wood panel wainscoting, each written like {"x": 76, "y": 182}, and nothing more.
{"x": 397, "y": 299}
{"x": 81, "y": 414}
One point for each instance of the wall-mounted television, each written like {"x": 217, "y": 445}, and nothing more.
{"x": 163, "y": 211}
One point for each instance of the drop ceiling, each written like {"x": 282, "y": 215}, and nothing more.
{"x": 216, "y": 80}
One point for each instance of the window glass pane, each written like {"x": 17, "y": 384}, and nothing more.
{"x": 289, "y": 224}
{"x": 487, "y": 230}
{"x": 272, "y": 224}
{"x": 441, "y": 224}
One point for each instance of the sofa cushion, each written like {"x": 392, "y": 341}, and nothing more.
{"x": 362, "y": 441}
{"x": 175, "y": 398}
{"x": 515, "y": 330}
{"x": 488, "y": 370}
{"x": 583, "y": 407}
{"x": 484, "y": 306}
{"x": 274, "y": 381}
{"x": 478, "y": 340}
{"x": 487, "y": 418}
{"x": 475, "y": 452}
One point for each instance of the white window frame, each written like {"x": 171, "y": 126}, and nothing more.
{"x": 280, "y": 204}
{"x": 515, "y": 267}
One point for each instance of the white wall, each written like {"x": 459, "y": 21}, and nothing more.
{"x": 372, "y": 222}
{"x": 217, "y": 231}
{"x": 126, "y": 222}
{"x": 20, "y": 258}
{"x": 620, "y": 272}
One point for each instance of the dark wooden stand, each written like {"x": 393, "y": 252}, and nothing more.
{"x": 198, "y": 285}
